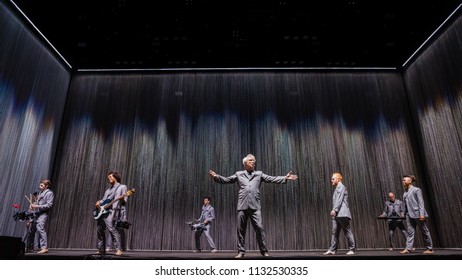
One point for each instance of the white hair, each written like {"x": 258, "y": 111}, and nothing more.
{"x": 247, "y": 157}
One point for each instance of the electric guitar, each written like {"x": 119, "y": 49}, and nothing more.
{"x": 104, "y": 207}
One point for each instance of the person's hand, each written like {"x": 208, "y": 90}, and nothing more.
{"x": 382, "y": 216}
{"x": 422, "y": 218}
{"x": 212, "y": 173}
{"x": 291, "y": 176}
{"x": 333, "y": 213}
{"x": 97, "y": 204}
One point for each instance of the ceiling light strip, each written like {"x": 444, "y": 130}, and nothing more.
{"x": 434, "y": 32}
{"x": 33, "y": 25}
{"x": 237, "y": 69}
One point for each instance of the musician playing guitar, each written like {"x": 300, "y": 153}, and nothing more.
{"x": 107, "y": 220}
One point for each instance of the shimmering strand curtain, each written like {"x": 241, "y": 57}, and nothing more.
{"x": 435, "y": 85}
{"x": 33, "y": 88}
{"x": 163, "y": 132}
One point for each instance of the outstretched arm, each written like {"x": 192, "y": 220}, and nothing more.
{"x": 223, "y": 180}
{"x": 279, "y": 179}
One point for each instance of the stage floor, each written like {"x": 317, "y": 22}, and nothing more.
{"x": 72, "y": 254}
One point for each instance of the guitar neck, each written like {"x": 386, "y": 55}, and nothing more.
{"x": 112, "y": 202}
{"x": 120, "y": 197}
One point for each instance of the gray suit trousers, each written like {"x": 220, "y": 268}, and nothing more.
{"x": 338, "y": 224}
{"x": 40, "y": 228}
{"x": 392, "y": 225}
{"x": 255, "y": 219}
{"x": 107, "y": 221}
{"x": 411, "y": 228}
{"x": 207, "y": 234}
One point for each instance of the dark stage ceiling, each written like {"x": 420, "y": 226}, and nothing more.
{"x": 122, "y": 34}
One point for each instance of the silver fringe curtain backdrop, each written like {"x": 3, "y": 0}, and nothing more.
{"x": 33, "y": 89}
{"x": 164, "y": 132}
{"x": 435, "y": 85}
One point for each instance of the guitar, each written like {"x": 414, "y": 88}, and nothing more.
{"x": 104, "y": 207}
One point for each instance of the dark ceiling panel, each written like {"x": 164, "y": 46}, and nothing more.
{"x": 121, "y": 34}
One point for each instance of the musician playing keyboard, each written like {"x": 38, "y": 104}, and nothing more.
{"x": 394, "y": 211}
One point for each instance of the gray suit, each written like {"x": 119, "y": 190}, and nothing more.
{"x": 108, "y": 219}
{"x": 44, "y": 202}
{"x": 342, "y": 218}
{"x": 208, "y": 214}
{"x": 414, "y": 205}
{"x": 248, "y": 205}
{"x": 394, "y": 210}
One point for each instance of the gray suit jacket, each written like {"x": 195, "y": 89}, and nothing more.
{"x": 207, "y": 214}
{"x": 113, "y": 192}
{"x": 249, "y": 192}
{"x": 45, "y": 201}
{"x": 393, "y": 209}
{"x": 414, "y": 203}
{"x": 340, "y": 201}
